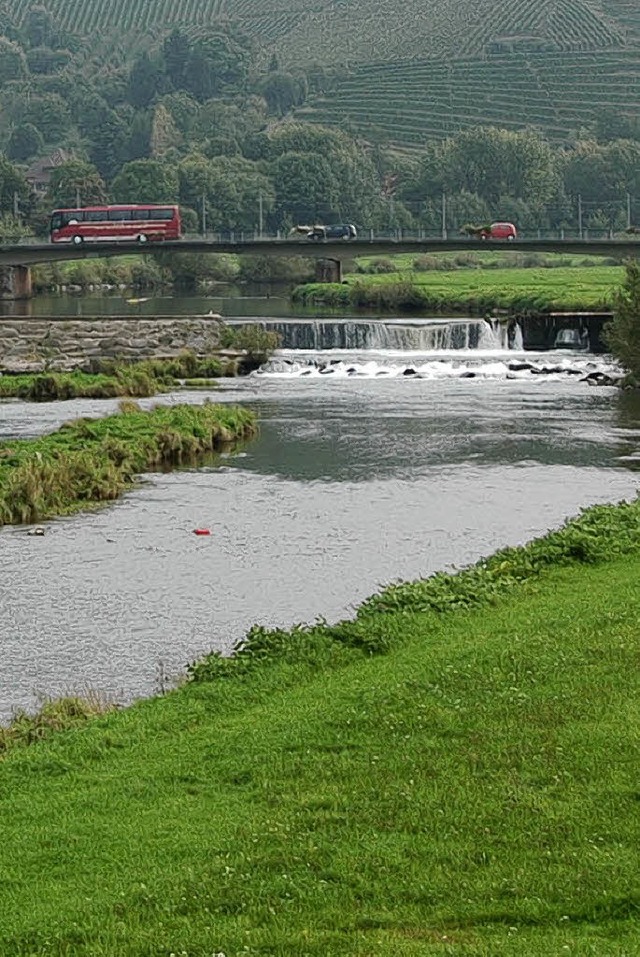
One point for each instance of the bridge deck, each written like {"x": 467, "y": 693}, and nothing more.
{"x": 29, "y": 254}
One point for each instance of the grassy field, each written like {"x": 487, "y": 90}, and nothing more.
{"x": 475, "y": 290}
{"x": 471, "y": 792}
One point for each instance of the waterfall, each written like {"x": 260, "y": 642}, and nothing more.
{"x": 402, "y": 335}
{"x": 508, "y": 335}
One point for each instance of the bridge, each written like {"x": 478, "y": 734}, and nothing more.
{"x": 16, "y": 259}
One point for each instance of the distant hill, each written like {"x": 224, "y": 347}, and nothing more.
{"x": 420, "y": 68}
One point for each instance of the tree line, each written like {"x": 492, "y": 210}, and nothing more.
{"x": 190, "y": 119}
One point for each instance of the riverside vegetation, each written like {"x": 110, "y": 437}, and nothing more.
{"x": 452, "y": 772}
{"x": 89, "y": 461}
{"x": 136, "y": 379}
{"x": 111, "y": 378}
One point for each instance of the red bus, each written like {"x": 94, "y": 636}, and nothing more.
{"x": 107, "y": 224}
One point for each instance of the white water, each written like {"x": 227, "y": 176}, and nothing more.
{"x": 420, "y": 348}
{"x": 404, "y": 335}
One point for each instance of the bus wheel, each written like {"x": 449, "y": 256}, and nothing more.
{"x": 142, "y": 238}
{"x": 77, "y": 240}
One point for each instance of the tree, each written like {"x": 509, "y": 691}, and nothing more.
{"x": 145, "y": 79}
{"x": 623, "y": 334}
{"x": 233, "y": 190}
{"x": 306, "y": 189}
{"x": 73, "y": 181}
{"x": 43, "y": 61}
{"x": 175, "y": 53}
{"x": 40, "y": 28}
{"x": 164, "y": 133}
{"x": 108, "y": 142}
{"x": 13, "y": 62}
{"x": 49, "y": 113}
{"x": 25, "y": 141}
{"x": 282, "y": 91}
{"x": 12, "y": 185}
{"x": 146, "y": 181}
{"x": 493, "y": 163}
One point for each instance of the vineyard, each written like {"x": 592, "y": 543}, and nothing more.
{"x": 427, "y": 68}
{"x": 334, "y": 32}
{"x": 410, "y": 102}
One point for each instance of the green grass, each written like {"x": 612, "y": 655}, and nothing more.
{"x": 94, "y": 460}
{"x": 475, "y": 290}
{"x": 471, "y": 792}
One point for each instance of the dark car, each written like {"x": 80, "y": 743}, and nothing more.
{"x": 341, "y": 231}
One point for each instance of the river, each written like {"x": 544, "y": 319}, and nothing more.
{"x": 372, "y": 465}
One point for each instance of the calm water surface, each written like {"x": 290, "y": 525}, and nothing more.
{"x": 352, "y": 483}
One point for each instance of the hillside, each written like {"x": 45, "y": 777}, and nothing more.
{"x": 428, "y": 68}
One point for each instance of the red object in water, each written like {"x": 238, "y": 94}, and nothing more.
{"x": 201, "y": 531}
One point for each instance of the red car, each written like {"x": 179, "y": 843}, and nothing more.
{"x": 500, "y": 231}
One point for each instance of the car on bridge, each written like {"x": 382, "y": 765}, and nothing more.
{"x": 344, "y": 231}
{"x": 499, "y": 231}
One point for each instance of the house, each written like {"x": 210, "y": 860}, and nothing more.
{"x": 39, "y": 173}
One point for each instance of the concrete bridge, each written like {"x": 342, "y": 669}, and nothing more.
{"x": 16, "y": 260}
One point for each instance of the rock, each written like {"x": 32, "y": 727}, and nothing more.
{"x": 601, "y": 378}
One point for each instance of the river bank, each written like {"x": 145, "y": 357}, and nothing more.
{"x": 451, "y": 771}
{"x": 475, "y": 291}
{"x": 166, "y": 272}
{"x": 90, "y": 461}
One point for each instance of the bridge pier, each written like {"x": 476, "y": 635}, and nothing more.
{"x": 15, "y": 282}
{"x": 328, "y": 270}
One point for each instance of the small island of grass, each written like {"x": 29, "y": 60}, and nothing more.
{"x": 89, "y": 461}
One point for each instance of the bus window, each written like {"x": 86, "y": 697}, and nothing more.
{"x": 118, "y": 215}
{"x": 164, "y": 214}
{"x": 72, "y": 216}
{"x": 56, "y": 220}
{"x": 94, "y": 216}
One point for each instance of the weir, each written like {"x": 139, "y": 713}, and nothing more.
{"x": 574, "y": 332}
{"x": 403, "y": 335}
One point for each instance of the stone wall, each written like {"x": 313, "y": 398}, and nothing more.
{"x": 32, "y": 345}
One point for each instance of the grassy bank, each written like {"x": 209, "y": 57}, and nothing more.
{"x": 94, "y": 460}
{"x": 476, "y": 291}
{"x": 471, "y": 791}
{"x": 136, "y": 379}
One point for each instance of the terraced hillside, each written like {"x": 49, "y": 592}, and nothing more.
{"x": 423, "y": 67}
{"x": 408, "y": 102}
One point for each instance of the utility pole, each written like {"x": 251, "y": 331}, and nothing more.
{"x": 444, "y": 215}
{"x": 204, "y": 215}
{"x": 260, "y": 215}
{"x": 580, "y": 216}
{"x": 628, "y": 210}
